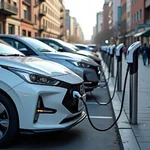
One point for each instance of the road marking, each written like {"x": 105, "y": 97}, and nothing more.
{"x": 95, "y": 103}
{"x": 100, "y": 117}
{"x": 91, "y": 103}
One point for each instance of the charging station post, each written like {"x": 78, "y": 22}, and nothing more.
{"x": 112, "y": 51}
{"x": 132, "y": 60}
{"x": 108, "y": 57}
{"x": 119, "y": 66}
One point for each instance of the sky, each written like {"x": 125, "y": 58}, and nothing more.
{"x": 85, "y": 13}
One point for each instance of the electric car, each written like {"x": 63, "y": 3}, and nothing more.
{"x": 62, "y": 46}
{"x": 83, "y": 66}
{"x": 83, "y": 47}
{"x": 36, "y": 95}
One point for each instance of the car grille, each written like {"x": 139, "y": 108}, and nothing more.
{"x": 72, "y": 103}
{"x": 97, "y": 69}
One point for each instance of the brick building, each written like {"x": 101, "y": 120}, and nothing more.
{"x": 31, "y": 17}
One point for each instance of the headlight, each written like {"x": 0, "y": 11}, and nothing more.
{"x": 80, "y": 64}
{"x": 34, "y": 78}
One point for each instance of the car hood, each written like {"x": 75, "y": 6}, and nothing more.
{"x": 40, "y": 66}
{"x": 89, "y": 54}
{"x": 71, "y": 57}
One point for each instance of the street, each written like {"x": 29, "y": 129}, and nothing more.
{"x": 82, "y": 136}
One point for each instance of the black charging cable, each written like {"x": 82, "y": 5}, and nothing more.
{"x": 103, "y": 73}
{"x": 88, "y": 116}
{"x": 111, "y": 98}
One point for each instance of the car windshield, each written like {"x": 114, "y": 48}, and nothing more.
{"x": 38, "y": 45}
{"x": 92, "y": 46}
{"x": 66, "y": 45}
{"x": 73, "y": 46}
{"x": 8, "y": 50}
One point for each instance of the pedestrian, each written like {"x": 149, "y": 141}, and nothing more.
{"x": 125, "y": 48}
{"x": 148, "y": 55}
{"x": 144, "y": 52}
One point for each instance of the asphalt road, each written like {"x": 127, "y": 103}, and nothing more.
{"x": 82, "y": 136}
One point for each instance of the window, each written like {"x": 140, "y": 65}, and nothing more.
{"x": 11, "y": 29}
{"x": 25, "y": 14}
{"x": 23, "y": 32}
{"x": 14, "y": 43}
{"x": 18, "y": 30}
{"x": 53, "y": 45}
{"x": 29, "y": 34}
{"x": 35, "y": 34}
{"x": 140, "y": 14}
{"x": 137, "y": 15}
{"x": 34, "y": 18}
{"x": 1, "y": 27}
{"x": 15, "y": 4}
{"x": 128, "y": 14}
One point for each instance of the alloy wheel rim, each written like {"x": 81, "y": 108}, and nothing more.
{"x": 4, "y": 120}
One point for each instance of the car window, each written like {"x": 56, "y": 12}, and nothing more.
{"x": 8, "y": 50}
{"x": 18, "y": 45}
{"x": 70, "y": 48}
{"x": 81, "y": 47}
{"x": 53, "y": 45}
{"x": 38, "y": 45}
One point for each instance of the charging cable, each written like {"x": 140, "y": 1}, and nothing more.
{"x": 124, "y": 88}
{"x": 111, "y": 98}
{"x": 103, "y": 73}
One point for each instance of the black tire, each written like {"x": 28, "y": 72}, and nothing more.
{"x": 13, "y": 127}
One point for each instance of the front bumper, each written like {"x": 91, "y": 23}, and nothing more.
{"x": 57, "y": 116}
{"x": 91, "y": 76}
{"x": 74, "y": 121}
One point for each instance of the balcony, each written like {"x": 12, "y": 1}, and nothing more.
{"x": 8, "y": 9}
{"x": 43, "y": 28}
{"x": 27, "y": 2}
{"x": 42, "y": 12}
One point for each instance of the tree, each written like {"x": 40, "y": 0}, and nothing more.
{"x": 102, "y": 36}
{"x": 74, "y": 39}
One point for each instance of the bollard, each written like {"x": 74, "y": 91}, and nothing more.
{"x": 132, "y": 60}
{"x": 119, "y": 66}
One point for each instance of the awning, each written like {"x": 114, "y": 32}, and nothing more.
{"x": 145, "y": 33}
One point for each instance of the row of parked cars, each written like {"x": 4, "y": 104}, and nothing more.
{"x": 37, "y": 80}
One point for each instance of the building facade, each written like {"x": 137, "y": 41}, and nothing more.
{"x": 44, "y": 18}
{"x": 105, "y": 25}
{"x": 99, "y": 21}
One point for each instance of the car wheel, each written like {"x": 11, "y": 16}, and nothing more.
{"x": 8, "y": 121}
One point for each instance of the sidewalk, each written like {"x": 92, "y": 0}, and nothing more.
{"x": 134, "y": 137}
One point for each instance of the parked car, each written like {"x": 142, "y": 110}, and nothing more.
{"x": 94, "y": 47}
{"x": 62, "y": 46}
{"x": 82, "y": 66}
{"x": 36, "y": 95}
{"x": 83, "y": 47}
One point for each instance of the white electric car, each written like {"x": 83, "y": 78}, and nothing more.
{"x": 36, "y": 95}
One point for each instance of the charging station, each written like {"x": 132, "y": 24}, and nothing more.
{"x": 119, "y": 66}
{"x": 132, "y": 60}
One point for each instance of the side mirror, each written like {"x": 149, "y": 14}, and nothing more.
{"x": 60, "y": 50}
{"x": 23, "y": 49}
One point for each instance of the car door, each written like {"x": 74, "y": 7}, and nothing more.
{"x": 19, "y": 46}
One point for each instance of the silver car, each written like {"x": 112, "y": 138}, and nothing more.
{"x": 82, "y": 66}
